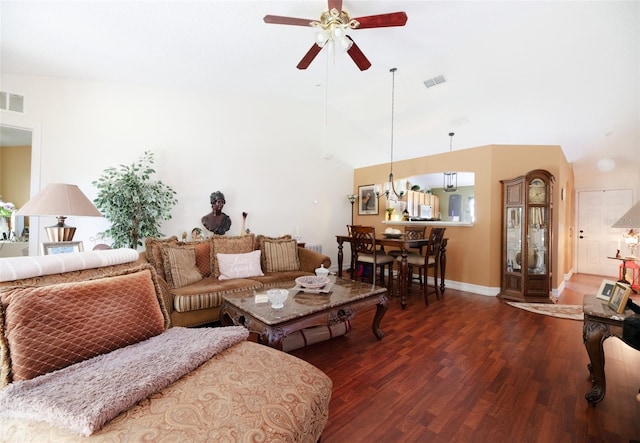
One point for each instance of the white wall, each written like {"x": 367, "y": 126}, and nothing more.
{"x": 267, "y": 157}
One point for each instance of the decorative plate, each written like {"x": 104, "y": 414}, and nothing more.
{"x": 312, "y": 281}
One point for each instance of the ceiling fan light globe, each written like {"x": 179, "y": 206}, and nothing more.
{"x": 346, "y": 44}
{"x": 321, "y": 37}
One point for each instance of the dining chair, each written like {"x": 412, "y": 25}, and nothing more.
{"x": 366, "y": 253}
{"x": 428, "y": 259}
{"x": 412, "y": 233}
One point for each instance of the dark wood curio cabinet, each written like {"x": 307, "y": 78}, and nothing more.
{"x": 527, "y": 237}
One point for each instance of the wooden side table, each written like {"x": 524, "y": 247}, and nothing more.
{"x": 600, "y": 323}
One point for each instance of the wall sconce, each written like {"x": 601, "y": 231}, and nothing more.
{"x": 56, "y": 199}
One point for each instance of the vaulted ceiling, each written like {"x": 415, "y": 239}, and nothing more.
{"x": 552, "y": 73}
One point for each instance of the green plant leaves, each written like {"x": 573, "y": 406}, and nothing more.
{"x": 133, "y": 203}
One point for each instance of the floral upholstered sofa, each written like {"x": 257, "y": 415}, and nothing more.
{"x": 85, "y": 354}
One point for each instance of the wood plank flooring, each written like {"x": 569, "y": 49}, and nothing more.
{"x": 470, "y": 368}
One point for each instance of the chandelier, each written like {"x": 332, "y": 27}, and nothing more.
{"x": 450, "y": 178}
{"x": 390, "y": 190}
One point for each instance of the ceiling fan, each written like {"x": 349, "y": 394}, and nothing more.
{"x": 332, "y": 28}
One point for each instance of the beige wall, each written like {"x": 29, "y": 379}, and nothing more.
{"x": 15, "y": 174}
{"x": 473, "y": 253}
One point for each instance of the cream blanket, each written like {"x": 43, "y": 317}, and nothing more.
{"x": 85, "y": 396}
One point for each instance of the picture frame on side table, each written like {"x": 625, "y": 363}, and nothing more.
{"x": 606, "y": 288}
{"x": 61, "y": 247}
{"x": 367, "y": 201}
{"x": 619, "y": 296}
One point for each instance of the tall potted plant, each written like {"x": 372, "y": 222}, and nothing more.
{"x": 133, "y": 203}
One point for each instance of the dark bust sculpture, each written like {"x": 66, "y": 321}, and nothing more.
{"x": 217, "y": 221}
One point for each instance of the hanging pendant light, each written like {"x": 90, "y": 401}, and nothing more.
{"x": 450, "y": 179}
{"x": 390, "y": 192}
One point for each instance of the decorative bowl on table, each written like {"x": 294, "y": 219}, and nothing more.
{"x": 277, "y": 297}
{"x": 312, "y": 281}
{"x": 391, "y": 235}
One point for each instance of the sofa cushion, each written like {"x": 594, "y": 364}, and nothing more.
{"x": 208, "y": 293}
{"x": 51, "y": 327}
{"x": 203, "y": 250}
{"x": 153, "y": 246}
{"x": 230, "y": 245}
{"x": 259, "y": 244}
{"x": 180, "y": 266}
{"x": 280, "y": 255}
{"x": 239, "y": 265}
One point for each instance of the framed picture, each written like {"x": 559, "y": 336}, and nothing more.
{"x": 619, "y": 297}
{"x": 367, "y": 201}
{"x": 61, "y": 247}
{"x": 606, "y": 288}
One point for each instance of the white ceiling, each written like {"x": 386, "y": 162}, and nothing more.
{"x": 553, "y": 73}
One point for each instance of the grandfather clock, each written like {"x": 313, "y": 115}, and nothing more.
{"x": 526, "y": 237}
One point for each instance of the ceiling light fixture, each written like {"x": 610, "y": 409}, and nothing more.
{"x": 332, "y": 28}
{"x": 450, "y": 178}
{"x": 390, "y": 188}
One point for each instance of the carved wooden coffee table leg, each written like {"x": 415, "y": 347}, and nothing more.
{"x": 381, "y": 309}
{"x": 593, "y": 335}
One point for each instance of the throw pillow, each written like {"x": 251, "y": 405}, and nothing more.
{"x": 180, "y": 265}
{"x": 222, "y": 244}
{"x": 153, "y": 247}
{"x": 259, "y": 244}
{"x": 51, "y": 327}
{"x": 203, "y": 250}
{"x": 239, "y": 265}
{"x": 281, "y": 255}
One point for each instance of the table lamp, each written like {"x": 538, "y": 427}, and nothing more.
{"x": 630, "y": 220}
{"x": 56, "y": 199}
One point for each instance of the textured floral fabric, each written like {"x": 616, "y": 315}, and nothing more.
{"x": 247, "y": 393}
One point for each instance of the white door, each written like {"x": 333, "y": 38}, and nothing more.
{"x": 597, "y": 240}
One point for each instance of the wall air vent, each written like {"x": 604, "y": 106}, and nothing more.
{"x": 11, "y": 102}
{"x": 434, "y": 81}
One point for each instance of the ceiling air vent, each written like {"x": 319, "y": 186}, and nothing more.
{"x": 434, "y": 81}
{"x": 11, "y": 102}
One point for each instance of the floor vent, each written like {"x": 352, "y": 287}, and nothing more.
{"x": 314, "y": 247}
{"x": 11, "y": 102}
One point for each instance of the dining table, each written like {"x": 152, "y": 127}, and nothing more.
{"x": 404, "y": 245}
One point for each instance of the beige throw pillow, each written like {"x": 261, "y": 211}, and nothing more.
{"x": 180, "y": 266}
{"x": 281, "y": 255}
{"x": 239, "y": 265}
{"x": 223, "y": 244}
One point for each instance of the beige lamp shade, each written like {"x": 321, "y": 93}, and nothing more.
{"x": 631, "y": 218}
{"x": 60, "y": 200}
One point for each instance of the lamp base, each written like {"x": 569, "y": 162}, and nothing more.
{"x": 60, "y": 232}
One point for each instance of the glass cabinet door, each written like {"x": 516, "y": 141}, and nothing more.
{"x": 514, "y": 239}
{"x": 537, "y": 240}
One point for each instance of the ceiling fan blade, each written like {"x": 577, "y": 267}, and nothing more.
{"x": 357, "y": 56}
{"x": 309, "y": 56}
{"x": 280, "y": 20}
{"x": 382, "y": 20}
{"x": 335, "y": 4}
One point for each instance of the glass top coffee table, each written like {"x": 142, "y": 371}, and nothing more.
{"x": 303, "y": 309}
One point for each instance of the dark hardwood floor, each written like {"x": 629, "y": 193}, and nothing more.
{"x": 470, "y": 368}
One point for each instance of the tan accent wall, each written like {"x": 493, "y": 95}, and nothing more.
{"x": 15, "y": 174}
{"x": 473, "y": 253}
